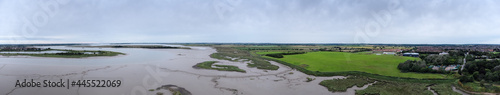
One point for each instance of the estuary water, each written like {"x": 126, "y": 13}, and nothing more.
{"x": 142, "y": 70}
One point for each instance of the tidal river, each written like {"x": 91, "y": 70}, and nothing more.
{"x": 142, "y": 71}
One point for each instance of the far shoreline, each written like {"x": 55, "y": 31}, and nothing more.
{"x": 67, "y": 54}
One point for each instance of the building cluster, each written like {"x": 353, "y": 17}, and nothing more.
{"x": 387, "y": 51}
{"x": 411, "y": 54}
{"x": 446, "y": 68}
{"x": 480, "y": 48}
{"x": 428, "y": 49}
{"x": 394, "y": 52}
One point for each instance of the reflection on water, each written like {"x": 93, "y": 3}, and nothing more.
{"x": 352, "y": 90}
{"x": 458, "y": 91}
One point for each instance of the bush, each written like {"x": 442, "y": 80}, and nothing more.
{"x": 280, "y": 55}
{"x": 465, "y": 79}
{"x": 483, "y": 70}
{"x": 277, "y": 55}
{"x": 310, "y": 79}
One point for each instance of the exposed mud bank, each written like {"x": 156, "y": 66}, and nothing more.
{"x": 174, "y": 89}
{"x": 144, "y": 69}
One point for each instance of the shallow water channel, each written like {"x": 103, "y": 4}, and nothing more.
{"x": 143, "y": 69}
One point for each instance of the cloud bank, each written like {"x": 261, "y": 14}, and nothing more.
{"x": 255, "y": 21}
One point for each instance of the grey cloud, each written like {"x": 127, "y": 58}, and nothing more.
{"x": 322, "y": 21}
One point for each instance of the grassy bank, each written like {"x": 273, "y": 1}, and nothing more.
{"x": 209, "y": 64}
{"x": 478, "y": 87}
{"x": 395, "y": 88}
{"x": 342, "y": 84}
{"x": 231, "y": 54}
{"x": 384, "y": 87}
{"x": 444, "y": 89}
{"x": 405, "y": 88}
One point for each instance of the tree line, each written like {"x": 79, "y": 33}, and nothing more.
{"x": 280, "y": 55}
{"x": 434, "y": 59}
{"x": 418, "y": 66}
{"x": 481, "y": 70}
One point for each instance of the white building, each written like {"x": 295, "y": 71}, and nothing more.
{"x": 391, "y": 53}
{"x": 443, "y": 53}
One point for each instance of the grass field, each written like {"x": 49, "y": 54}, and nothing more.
{"x": 343, "y": 61}
{"x": 208, "y": 65}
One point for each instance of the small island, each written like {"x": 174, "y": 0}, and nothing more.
{"x": 59, "y": 53}
{"x": 209, "y": 64}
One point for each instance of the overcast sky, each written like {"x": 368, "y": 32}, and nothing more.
{"x": 252, "y": 21}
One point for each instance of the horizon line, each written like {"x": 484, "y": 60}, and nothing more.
{"x": 252, "y": 43}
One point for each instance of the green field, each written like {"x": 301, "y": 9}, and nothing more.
{"x": 208, "y": 65}
{"x": 342, "y": 61}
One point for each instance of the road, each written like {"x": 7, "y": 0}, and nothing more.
{"x": 465, "y": 61}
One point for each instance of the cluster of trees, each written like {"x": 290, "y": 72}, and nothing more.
{"x": 417, "y": 66}
{"x": 332, "y": 49}
{"x": 70, "y": 53}
{"x": 457, "y": 52}
{"x": 470, "y": 58}
{"x": 339, "y": 49}
{"x": 80, "y": 53}
{"x": 362, "y": 50}
{"x": 434, "y": 59}
{"x": 412, "y": 66}
{"x": 273, "y": 48}
{"x": 453, "y": 58}
{"x": 496, "y": 50}
{"x": 489, "y": 54}
{"x": 420, "y": 52}
{"x": 21, "y": 49}
{"x": 481, "y": 70}
{"x": 478, "y": 53}
{"x": 280, "y": 55}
